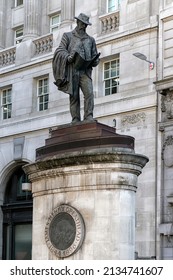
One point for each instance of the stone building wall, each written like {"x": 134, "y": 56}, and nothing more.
{"x": 137, "y": 26}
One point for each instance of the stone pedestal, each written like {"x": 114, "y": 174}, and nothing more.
{"x": 92, "y": 172}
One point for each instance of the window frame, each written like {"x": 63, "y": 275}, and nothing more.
{"x": 18, "y": 39}
{"x": 42, "y": 95}
{"x": 116, "y": 6}
{"x": 110, "y": 79}
{"x": 54, "y": 27}
{"x": 6, "y": 106}
{"x": 17, "y": 3}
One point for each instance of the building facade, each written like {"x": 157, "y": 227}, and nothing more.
{"x": 133, "y": 92}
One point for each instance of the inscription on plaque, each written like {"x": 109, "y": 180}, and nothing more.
{"x": 64, "y": 231}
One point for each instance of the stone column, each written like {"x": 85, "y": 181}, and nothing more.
{"x": 2, "y": 24}
{"x": 86, "y": 170}
{"x": 67, "y": 11}
{"x": 102, "y": 190}
{"x": 32, "y": 22}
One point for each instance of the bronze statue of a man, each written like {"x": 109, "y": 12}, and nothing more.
{"x": 72, "y": 68}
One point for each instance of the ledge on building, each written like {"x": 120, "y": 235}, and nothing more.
{"x": 166, "y": 229}
{"x": 170, "y": 199}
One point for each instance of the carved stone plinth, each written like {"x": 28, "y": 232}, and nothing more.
{"x": 93, "y": 170}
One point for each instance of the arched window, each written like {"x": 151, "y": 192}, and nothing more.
{"x": 17, "y": 219}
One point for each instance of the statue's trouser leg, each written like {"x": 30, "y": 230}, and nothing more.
{"x": 75, "y": 103}
{"x": 87, "y": 89}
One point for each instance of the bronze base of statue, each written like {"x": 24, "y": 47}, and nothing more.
{"x": 81, "y": 137}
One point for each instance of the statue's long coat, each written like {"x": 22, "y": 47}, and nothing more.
{"x": 65, "y": 74}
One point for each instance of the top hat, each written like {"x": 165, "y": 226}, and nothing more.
{"x": 85, "y": 19}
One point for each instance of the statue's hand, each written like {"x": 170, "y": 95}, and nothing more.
{"x": 70, "y": 58}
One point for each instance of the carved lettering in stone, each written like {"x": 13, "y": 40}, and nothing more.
{"x": 64, "y": 231}
{"x": 133, "y": 119}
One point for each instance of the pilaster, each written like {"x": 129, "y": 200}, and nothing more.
{"x": 32, "y": 19}
{"x": 2, "y": 25}
{"x": 67, "y": 11}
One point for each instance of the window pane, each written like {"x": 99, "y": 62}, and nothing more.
{"x": 113, "y": 73}
{"x": 45, "y": 106}
{"x": 40, "y": 82}
{"x": 9, "y": 97}
{"x": 54, "y": 29}
{"x": 41, "y": 107}
{"x": 19, "y": 33}
{"x": 4, "y": 115}
{"x": 107, "y": 66}
{"x": 9, "y": 111}
{"x": 45, "y": 82}
{"x": 114, "y": 82}
{"x": 19, "y": 2}
{"x": 40, "y": 91}
{"x": 41, "y": 99}
{"x": 114, "y": 64}
{"x": 106, "y": 74}
{"x": 23, "y": 242}
{"x": 107, "y": 91}
{"x": 107, "y": 83}
{"x": 45, "y": 89}
{"x": 113, "y": 5}
{"x": 114, "y": 90}
{"x": 55, "y": 19}
{"x": 4, "y": 99}
{"x": 46, "y": 97}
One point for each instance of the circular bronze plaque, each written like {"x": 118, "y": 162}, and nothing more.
{"x": 64, "y": 232}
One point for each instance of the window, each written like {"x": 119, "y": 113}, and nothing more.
{"x": 6, "y": 103}
{"x": 112, "y": 5}
{"x": 17, "y": 219}
{"x": 18, "y": 3}
{"x": 43, "y": 94}
{"x": 55, "y": 22}
{"x": 111, "y": 76}
{"x": 18, "y": 35}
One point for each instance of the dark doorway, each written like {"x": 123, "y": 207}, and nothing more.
{"x": 17, "y": 219}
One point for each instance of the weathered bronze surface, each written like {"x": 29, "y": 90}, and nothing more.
{"x": 62, "y": 231}
{"x": 72, "y": 68}
{"x": 81, "y": 137}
